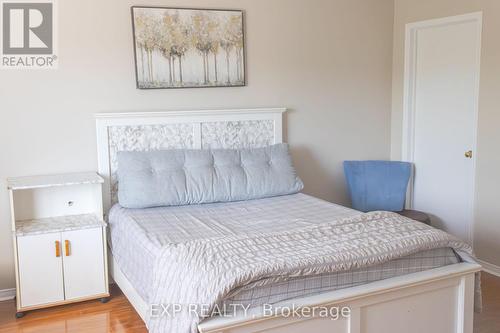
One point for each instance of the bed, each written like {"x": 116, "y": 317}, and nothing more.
{"x": 435, "y": 284}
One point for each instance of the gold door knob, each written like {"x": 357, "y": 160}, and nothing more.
{"x": 468, "y": 154}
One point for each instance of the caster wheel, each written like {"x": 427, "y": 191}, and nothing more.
{"x": 19, "y": 315}
{"x": 104, "y": 300}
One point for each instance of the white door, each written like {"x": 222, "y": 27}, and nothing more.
{"x": 40, "y": 269}
{"x": 441, "y": 106}
{"x": 83, "y": 263}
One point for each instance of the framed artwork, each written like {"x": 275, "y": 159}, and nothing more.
{"x": 187, "y": 48}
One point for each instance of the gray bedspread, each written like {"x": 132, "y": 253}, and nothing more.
{"x": 138, "y": 235}
{"x": 204, "y": 271}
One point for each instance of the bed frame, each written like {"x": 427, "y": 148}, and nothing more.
{"x": 439, "y": 300}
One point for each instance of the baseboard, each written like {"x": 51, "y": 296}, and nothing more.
{"x": 7, "y": 294}
{"x": 490, "y": 268}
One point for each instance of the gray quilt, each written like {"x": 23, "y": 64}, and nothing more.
{"x": 202, "y": 272}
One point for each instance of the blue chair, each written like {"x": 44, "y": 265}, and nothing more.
{"x": 380, "y": 185}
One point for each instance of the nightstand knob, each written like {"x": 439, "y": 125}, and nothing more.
{"x": 58, "y": 249}
{"x": 66, "y": 247}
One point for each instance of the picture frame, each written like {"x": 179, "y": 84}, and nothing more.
{"x": 188, "y": 47}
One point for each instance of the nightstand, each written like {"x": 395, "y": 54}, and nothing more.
{"x": 59, "y": 238}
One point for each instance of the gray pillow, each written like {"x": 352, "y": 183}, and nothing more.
{"x": 183, "y": 177}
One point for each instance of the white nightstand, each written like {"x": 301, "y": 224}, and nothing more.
{"x": 59, "y": 240}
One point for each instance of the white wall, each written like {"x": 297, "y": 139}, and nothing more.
{"x": 487, "y": 209}
{"x": 329, "y": 61}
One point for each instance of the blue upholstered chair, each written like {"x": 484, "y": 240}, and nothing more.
{"x": 380, "y": 185}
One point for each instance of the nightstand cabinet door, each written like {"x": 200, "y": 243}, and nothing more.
{"x": 40, "y": 269}
{"x": 83, "y": 263}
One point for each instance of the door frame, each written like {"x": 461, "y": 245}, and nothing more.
{"x": 409, "y": 101}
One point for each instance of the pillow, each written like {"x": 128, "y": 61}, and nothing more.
{"x": 184, "y": 177}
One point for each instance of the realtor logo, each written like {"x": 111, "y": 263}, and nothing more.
{"x": 28, "y": 34}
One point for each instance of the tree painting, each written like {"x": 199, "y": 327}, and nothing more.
{"x": 178, "y": 48}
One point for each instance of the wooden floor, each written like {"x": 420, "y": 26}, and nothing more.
{"x": 488, "y": 321}
{"x": 118, "y": 316}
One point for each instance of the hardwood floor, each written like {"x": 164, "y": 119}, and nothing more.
{"x": 489, "y": 320}
{"x": 118, "y": 316}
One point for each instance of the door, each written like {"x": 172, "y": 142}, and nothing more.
{"x": 441, "y": 106}
{"x": 83, "y": 263}
{"x": 40, "y": 269}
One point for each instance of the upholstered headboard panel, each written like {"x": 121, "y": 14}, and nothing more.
{"x": 145, "y": 131}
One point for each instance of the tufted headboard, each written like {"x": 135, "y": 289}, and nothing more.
{"x": 203, "y": 129}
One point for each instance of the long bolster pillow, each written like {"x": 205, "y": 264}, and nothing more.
{"x": 183, "y": 177}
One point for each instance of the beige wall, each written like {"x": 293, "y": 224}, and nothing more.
{"x": 487, "y": 209}
{"x": 329, "y": 61}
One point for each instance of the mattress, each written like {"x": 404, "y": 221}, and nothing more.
{"x": 137, "y": 235}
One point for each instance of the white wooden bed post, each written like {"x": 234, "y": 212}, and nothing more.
{"x": 434, "y": 301}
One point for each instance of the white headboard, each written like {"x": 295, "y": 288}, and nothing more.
{"x": 202, "y": 129}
